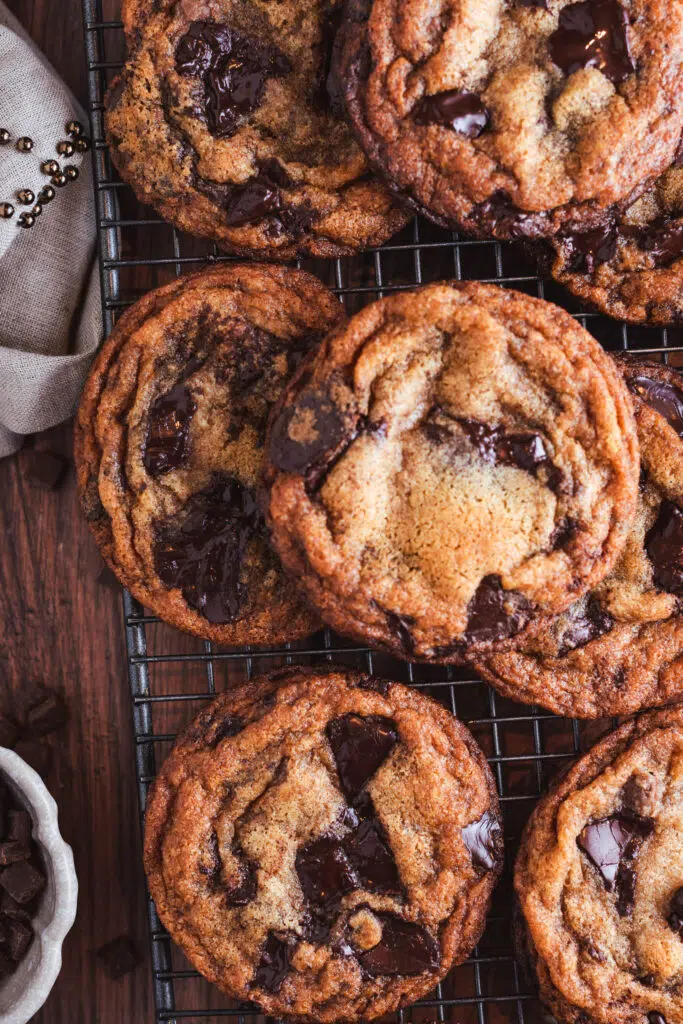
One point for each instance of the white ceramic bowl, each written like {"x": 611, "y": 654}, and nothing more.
{"x": 22, "y": 994}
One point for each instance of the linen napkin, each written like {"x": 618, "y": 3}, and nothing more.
{"x": 50, "y": 314}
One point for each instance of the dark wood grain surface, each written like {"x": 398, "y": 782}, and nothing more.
{"x": 59, "y": 627}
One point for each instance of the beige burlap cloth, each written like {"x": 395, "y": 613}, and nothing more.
{"x": 50, "y": 316}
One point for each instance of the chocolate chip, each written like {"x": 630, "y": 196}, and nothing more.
{"x": 168, "y": 427}
{"x": 483, "y": 838}
{"x": 44, "y": 469}
{"x": 369, "y": 853}
{"x": 527, "y": 451}
{"x": 593, "y": 34}
{"x": 664, "y": 545}
{"x": 584, "y": 626}
{"x": 327, "y": 91}
{"x": 22, "y": 881}
{"x": 459, "y": 110}
{"x": 374, "y": 683}
{"x": 534, "y": 3}
{"x": 253, "y": 201}
{"x": 275, "y": 961}
{"x": 675, "y": 918}
{"x": 400, "y": 626}
{"x": 47, "y": 714}
{"x": 325, "y": 873}
{"x": 305, "y": 433}
{"x": 613, "y": 844}
{"x": 19, "y": 939}
{"x": 245, "y": 891}
{"x": 233, "y": 68}
{"x": 666, "y": 399}
{"x": 663, "y": 241}
{"x": 494, "y": 613}
{"x": 225, "y": 727}
{"x": 588, "y": 250}
{"x": 656, "y": 1018}
{"x": 647, "y": 980}
{"x": 360, "y": 745}
{"x": 201, "y": 550}
{"x": 119, "y": 957}
{"x": 404, "y": 949}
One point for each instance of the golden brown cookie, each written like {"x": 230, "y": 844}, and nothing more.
{"x": 599, "y": 878}
{"x": 620, "y": 648}
{"x": 453, "y": 463}
{"x": 632, "y": 268}
{"x": 515, "y": 117}
{"x": 324, "y": 843}
{"x": 226, "y": 119}
{"x": 169, "y": 446}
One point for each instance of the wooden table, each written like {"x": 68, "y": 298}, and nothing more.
{"x": 59, "y": 626}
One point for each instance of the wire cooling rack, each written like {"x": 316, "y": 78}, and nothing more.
{"x": 172, "y": 675}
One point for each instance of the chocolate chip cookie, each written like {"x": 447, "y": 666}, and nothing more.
{"x": 169, "y": 446}
{"x": 599, "y": 877}
{"x": 324, "y": 844}
{"x": 515, "y": 118}
{"x": 226, "y": 119}
{"x": 452, "y": 463}
{"x": 632, "y": 267}
{"x": 620, "y": 648}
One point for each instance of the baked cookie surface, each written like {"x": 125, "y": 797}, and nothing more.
{"x": 632, "y": 268}
{"x": 453, "y": 462}
{"x": 226, "y": 120}
{"x": 515, "y": 118}
{"x": 599, "y": 879}
{"x": 324, "y": 843}
{"x": 620, "y": 648}
{"x": 169, "y": 446}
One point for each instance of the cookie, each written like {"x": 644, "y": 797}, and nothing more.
{"x": 599, "y": 878}
{"x": 454, "y": 462}
{"x": 226, "y": 119}
{"x": 324, "y": 844}
{"x": 620, "y": 648}
{"x": 517, "y": 118}
{"x": 632, "y": 268}
{"x": 169, "y": 446}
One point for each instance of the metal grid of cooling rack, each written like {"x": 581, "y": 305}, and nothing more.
{"x": 172, "y": 675}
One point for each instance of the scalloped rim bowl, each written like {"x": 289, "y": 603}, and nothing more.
{"x": 22, "y": 994}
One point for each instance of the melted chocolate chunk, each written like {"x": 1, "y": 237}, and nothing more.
{"x": 202, "y": 554}
{"x": 588, "y": 250}
{"x": 534, "y": 3}
{"x": 593, "y": 622}
{"x": 527, "y": 451}
{"x": 376, "y": 684}
{"x": 613, "y": 845}
{"x": 656, "y": 1018}
{"x": 405, "y": 948}
{"x": 664, "y": 545}
{"x": 252, "y": 202}
{"x": 494, "y": 613}
{"x": 483, "y": 839}
{"x": 664, "y": 242}
{"x": 666, "y": 399}
{"x": 233, "y": 68}
{"x": 229, "y": 725}
{"x": 307, "y": 433}
{"x": 275, "y": 960}
{"x": 167, "y": 431}
{"x": 400, "y": 626}
{"x": 360, "y": 745}
{"x": 461, "y": 111}
{"x": 325, "y": 872}
{"x": 675, "y": 918}
{"x": 593, "y": 34}
{"x": 369, "y": 852}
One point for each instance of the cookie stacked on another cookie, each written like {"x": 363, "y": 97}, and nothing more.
{"x": 169, "y": 446}
{"x": 450, "y": 466}
{"x": 620, "y": 648}
{"x": 226, "y": 118}
{"x": 324, "y": 843}
{"x": 599, "y": 878}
